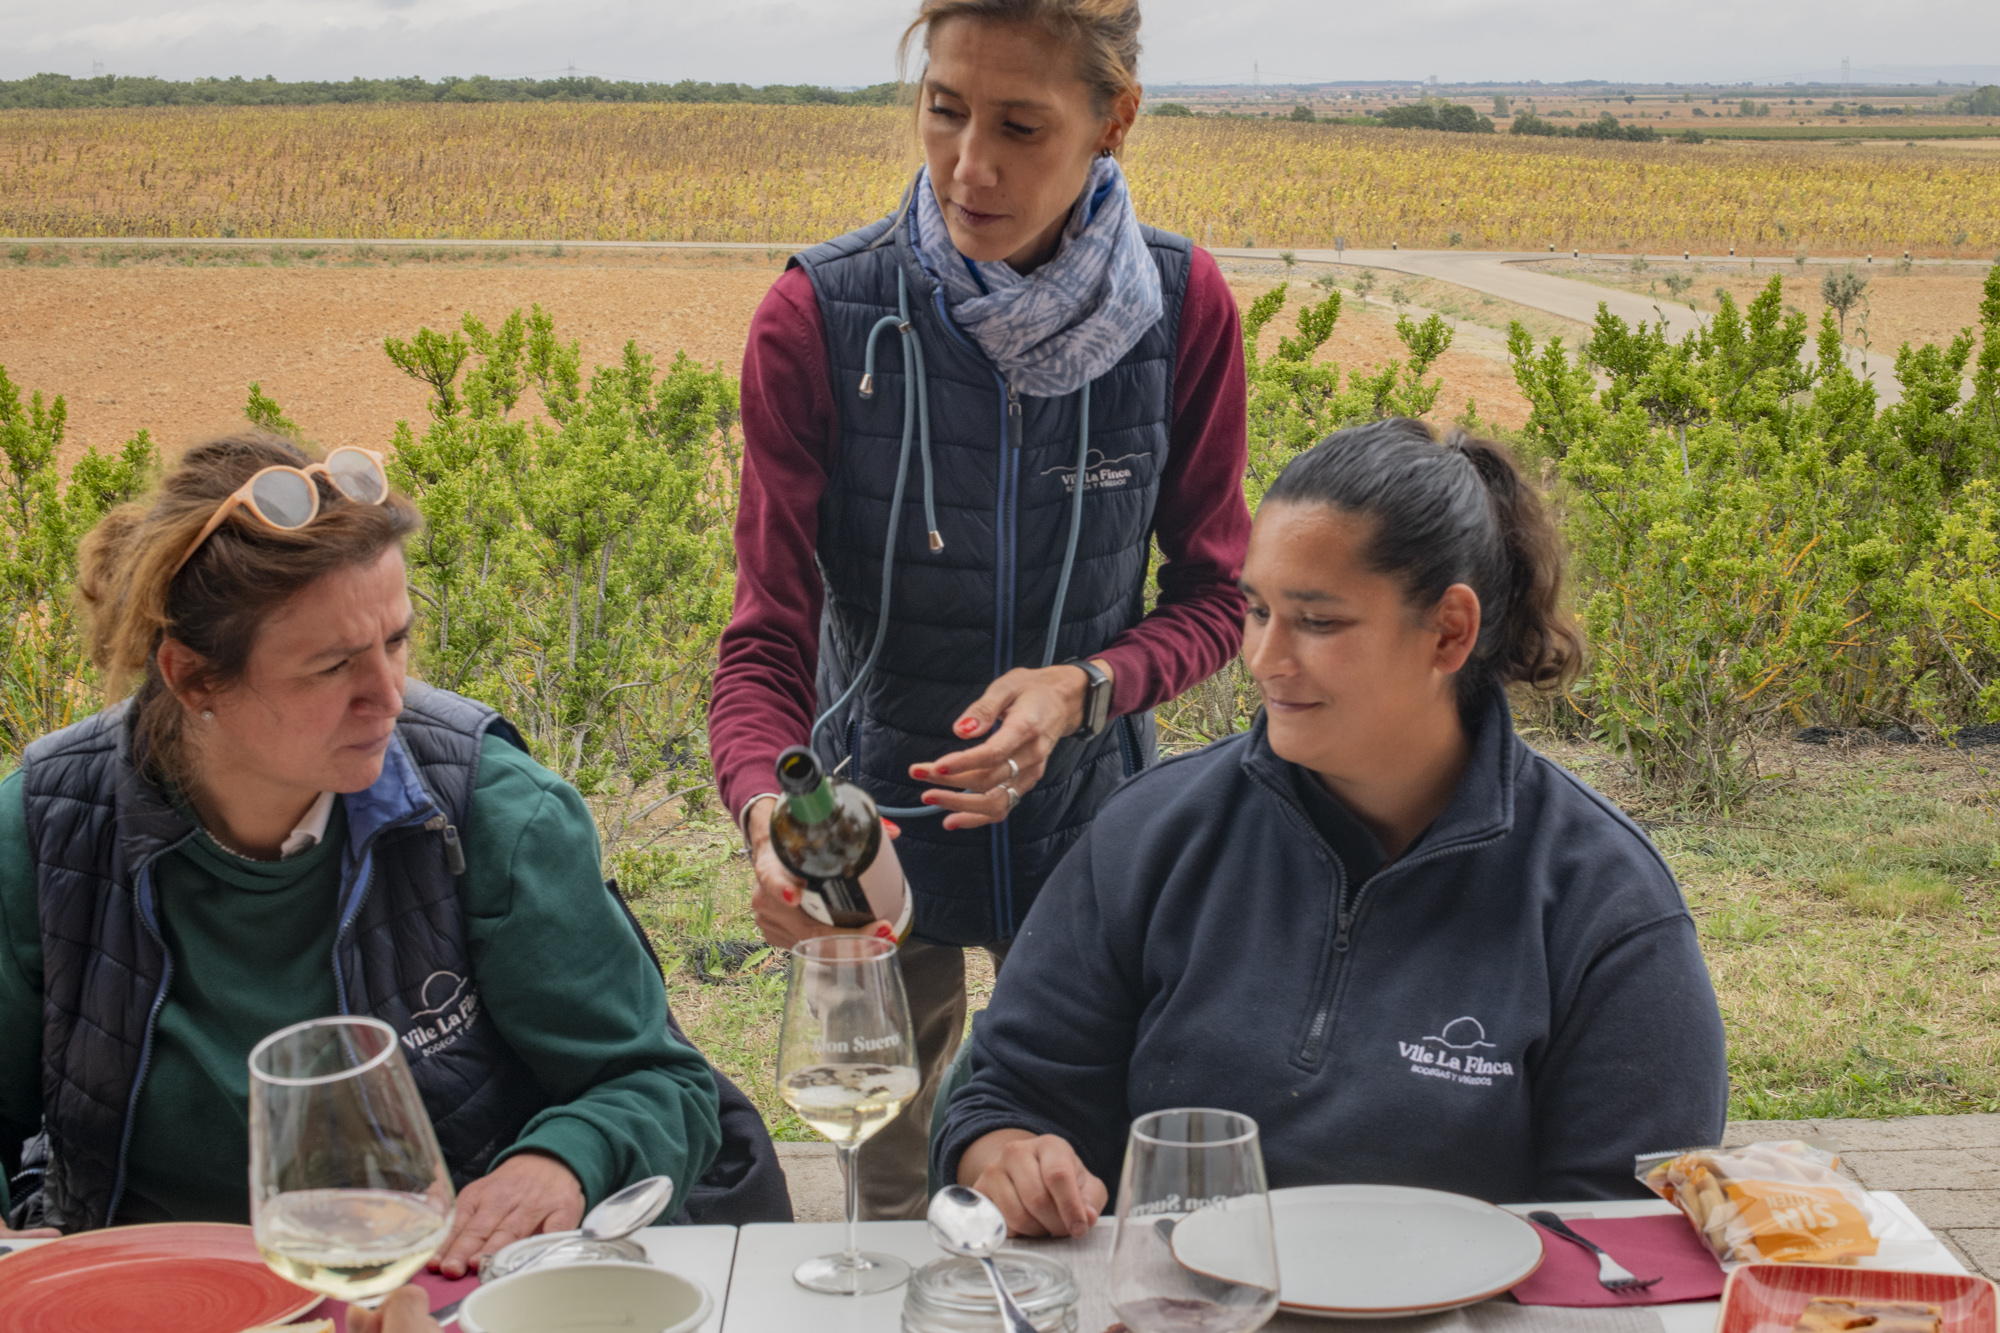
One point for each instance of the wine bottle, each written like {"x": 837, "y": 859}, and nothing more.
{"x": 829, "y": 834}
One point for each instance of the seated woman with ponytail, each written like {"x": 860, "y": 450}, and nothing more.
{"x": 1413, "y": 949}
{"x": 278, "y": 826}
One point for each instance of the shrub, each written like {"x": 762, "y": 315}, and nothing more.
{"x": 45, "y": 681}
{"x": 1753, "y": 539}
{"x": 574, "y": 568}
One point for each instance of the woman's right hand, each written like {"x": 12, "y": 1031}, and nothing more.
{"x": 1037, "y": 1181}
{"x": 774, "y": 900}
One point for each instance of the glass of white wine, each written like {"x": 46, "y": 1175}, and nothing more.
{"x": 348, "y": 1192}
{"x": 847, "y": 1063}
{"x": 1194, "y": 1251}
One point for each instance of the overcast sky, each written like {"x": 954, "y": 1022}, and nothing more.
{"x": 848, "y": 42}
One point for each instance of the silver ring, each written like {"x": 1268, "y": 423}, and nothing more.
{"x": 1013, "y": 797}
{"x": 1013, "y": 770}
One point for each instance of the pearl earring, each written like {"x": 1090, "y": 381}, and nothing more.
{"x": 207, "y": 716}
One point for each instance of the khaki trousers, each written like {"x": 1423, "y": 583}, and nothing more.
{"x": 895, "y": 1164}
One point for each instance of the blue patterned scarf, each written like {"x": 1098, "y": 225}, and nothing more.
{"x": 1061, "y": 326}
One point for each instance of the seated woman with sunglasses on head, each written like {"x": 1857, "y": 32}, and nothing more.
{"x": 276, "y": 826}
{"x": 1415, "y": 951}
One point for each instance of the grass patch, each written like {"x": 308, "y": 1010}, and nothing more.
{"x": 1897, "y": 893}
{"x": 1849, "y": 915}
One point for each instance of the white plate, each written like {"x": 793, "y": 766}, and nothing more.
{"x": 1380, "y": 1251}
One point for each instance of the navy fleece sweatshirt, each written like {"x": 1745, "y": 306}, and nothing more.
{"x": 1512, "y": 1010}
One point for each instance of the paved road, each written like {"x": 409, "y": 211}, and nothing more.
{"x": 1503, "y": 274}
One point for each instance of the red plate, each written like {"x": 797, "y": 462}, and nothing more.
{"x": 182, "y": 1277}
{"x": 1768, "y": 1298}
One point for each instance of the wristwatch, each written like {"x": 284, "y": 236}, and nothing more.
{"x": 1096, "y": 698}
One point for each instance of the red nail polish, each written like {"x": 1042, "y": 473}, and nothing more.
{"x": 892, "y": 826}
{"x": 792, "y": 897}
{"x": 886, "y": 932}
{"x": 967, "y": 726}
{"x": 942, "y": 771}
{"x": 928, "y": 800}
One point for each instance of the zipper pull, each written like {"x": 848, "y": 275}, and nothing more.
{"x": 1013, "y": 400}
{"x": 454, "y": 851}
{"x": 1340, "y": 938}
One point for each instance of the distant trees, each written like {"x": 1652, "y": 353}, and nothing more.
{"x": 1605, "y": 126}
{"x": 1303, "y": 112}
{"x": 1841, "y": 290}
{"x": 1452, "y": 117}
{"x": 59, "y": 91}
{"x": 1168, "y": 109}
{"x": 1982, "y": 102}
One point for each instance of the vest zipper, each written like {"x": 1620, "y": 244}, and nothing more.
{"x": 454, "y": 852}
{"x": 1010, "y": 474}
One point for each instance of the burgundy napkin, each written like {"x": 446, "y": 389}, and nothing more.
{"x": 443, "y": 1291}
{"x": 1662, "y": 1246}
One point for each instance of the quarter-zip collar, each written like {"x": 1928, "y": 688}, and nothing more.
{"x": 1480, "y": 810}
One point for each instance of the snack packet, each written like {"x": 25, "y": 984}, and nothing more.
{"x": 1767, "y": 1203}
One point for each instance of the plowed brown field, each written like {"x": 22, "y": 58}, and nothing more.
{"x": 173, "y": 349}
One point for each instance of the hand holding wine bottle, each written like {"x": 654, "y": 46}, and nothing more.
{"x": 823, "y": 858}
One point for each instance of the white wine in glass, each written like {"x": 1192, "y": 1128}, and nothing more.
{"x": 348, "y": 1192}
{"x": 847, "y": 1063}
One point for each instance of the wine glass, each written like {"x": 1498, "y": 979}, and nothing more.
{"x": 847, "y": 1063}
{"x": 348, "y": 1192}
{"x": 1194, "y": 1251}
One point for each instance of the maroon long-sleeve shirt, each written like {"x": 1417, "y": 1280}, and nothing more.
{"x": 764, "y": 696}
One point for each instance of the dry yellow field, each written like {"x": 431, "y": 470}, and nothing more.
{"x": 757, "y": 173}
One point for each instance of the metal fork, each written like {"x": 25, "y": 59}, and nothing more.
{"x": 1611, "y": 1275}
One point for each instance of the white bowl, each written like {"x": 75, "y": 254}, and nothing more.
{"x": 588, "y": 1298}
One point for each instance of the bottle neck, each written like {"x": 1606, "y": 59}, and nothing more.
{"x": 814, "y": 806}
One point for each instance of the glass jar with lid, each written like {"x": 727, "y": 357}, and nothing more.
{"x": 954, "y": 1296}
{"x": 555, "y": 1248}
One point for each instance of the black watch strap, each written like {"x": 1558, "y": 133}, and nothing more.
{"x": 1096, "y": 698}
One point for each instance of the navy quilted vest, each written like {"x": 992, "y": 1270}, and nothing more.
{"x": 962, "y": 616}
{"x": 96, "y": 827}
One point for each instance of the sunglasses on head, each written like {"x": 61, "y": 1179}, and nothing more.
{"x": 287, "y": 498}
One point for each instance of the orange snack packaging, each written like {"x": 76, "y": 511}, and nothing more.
{"x": 1780, "y": 1202}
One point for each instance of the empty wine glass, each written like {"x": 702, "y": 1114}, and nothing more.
{"x": 348, "y": 1192}
{"x": 847, "y": 1063}
{"x": 1194, "y": 1250}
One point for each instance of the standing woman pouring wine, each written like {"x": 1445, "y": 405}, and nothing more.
{"x": 966, "y": 425}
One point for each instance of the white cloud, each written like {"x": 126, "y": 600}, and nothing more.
{"x": 851, "y": 41}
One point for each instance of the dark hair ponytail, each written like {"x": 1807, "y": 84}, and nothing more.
{"x": 1459, "y": 512}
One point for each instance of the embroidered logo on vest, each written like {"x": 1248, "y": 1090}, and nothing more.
{"x": 1100, "y": 474}
{"x": 454, "y": 1008}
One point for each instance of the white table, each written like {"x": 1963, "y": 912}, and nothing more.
{"x": 749, "y": 1271}
{"x": 707, "y": 1254}
{"x": 764, "y": 1299}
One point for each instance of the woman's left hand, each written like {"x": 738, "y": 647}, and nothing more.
{"x": 526, "y": 1195}
{"x": 1033, "y": 709}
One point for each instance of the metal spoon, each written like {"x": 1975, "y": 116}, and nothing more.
{"x": 964, "y": 1221}
{"x": 614, "y": 1218}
